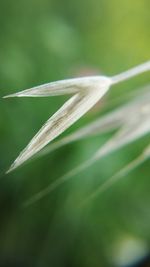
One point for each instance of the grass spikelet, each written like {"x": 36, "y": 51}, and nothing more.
{"x": 87, "y": 92}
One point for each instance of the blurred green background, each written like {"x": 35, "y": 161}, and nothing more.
{"x": 43, "y": 41}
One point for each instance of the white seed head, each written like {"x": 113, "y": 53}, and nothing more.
{"x": 87, "y": 91}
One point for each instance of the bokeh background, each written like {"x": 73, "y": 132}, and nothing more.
{"x": 47, "y": 40}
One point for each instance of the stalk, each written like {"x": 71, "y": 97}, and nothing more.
{"x": 126, "y": 75}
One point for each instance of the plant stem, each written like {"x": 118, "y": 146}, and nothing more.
{"x": 131, "y": 73}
